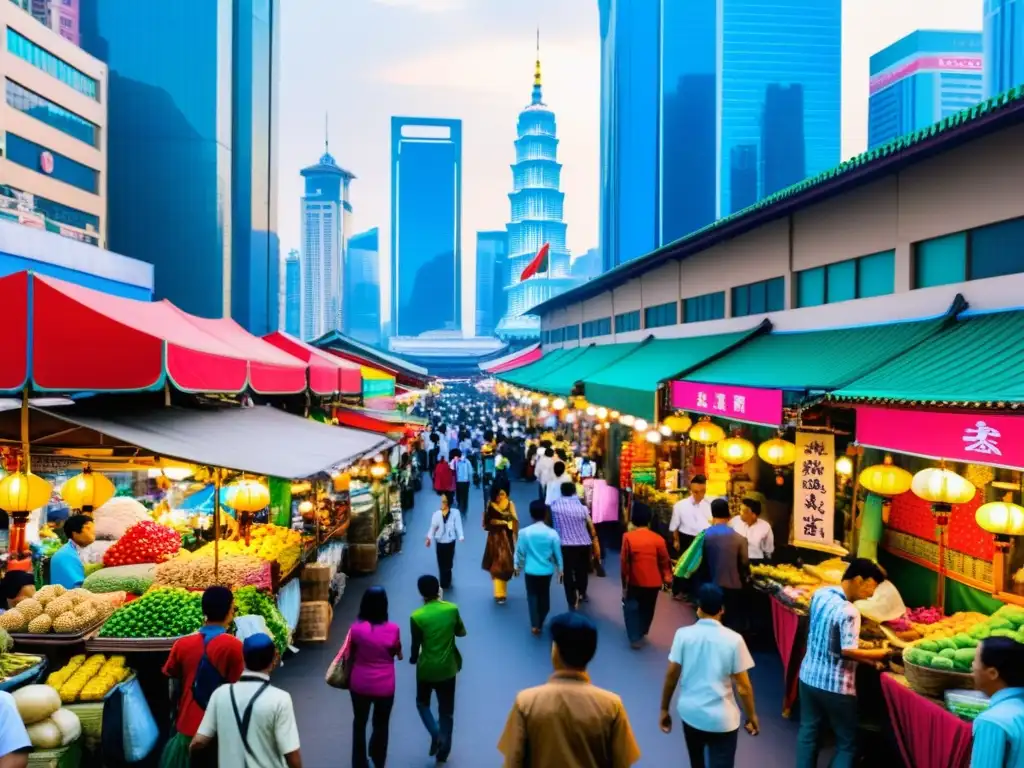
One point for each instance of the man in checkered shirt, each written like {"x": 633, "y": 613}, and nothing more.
{"x": 828, "y": 685}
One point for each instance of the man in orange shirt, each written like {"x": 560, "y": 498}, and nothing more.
{"x": 645, "y": 569}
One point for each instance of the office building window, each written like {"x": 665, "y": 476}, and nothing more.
{"x": 710, "y": 306}
{"x": 991, "y": 251}
{"x": 545, "y": 337}
{"x": 46, "y": 161}
{"x": 758, "y": 298}
{"x": 940, "y": 261}
{"x": 38, "y": 57}
{"x": 572, "y": 332}
{"x": 52, "y": 114}
{"x": 557, "y": 335}
{"x": 56, "y": 212}
{"x": 627, "y": 321}
{"x": 593, "y": 328}
{"x": 661, "y": 315}
{"x": 860, "y": 278}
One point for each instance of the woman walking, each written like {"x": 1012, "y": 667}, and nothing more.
{"x": 502, "y": 526}
{"x": 374, "y": 644}
{"x": 445, "y": 530}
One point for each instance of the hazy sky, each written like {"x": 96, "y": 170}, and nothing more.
{"x": 363, "y": 61}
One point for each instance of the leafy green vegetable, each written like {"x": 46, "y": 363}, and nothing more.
{"x": 250, "y": 601}
{"x": 161, "y": 612}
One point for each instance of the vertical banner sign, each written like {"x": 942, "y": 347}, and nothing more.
{"x": 814, "y": 490}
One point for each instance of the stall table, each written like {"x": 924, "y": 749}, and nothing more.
{"x": 790, "y": 629}
{"x": 929, "y": 736}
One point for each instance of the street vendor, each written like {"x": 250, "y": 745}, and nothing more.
{"x": 15, "y": 587}
{"x": 757, "y": 532}
{"x": 66, "y": 567}
{"x": 690, "y": 516}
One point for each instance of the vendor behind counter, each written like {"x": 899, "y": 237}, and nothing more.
{"x": 66, "y": 566}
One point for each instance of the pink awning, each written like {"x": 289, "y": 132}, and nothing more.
{"x": 328, "y": 375}
{"x": 516, "y": 360}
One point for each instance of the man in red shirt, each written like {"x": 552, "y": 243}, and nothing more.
{"x": 645, "y": 569}
{"x": 222, "y": 650}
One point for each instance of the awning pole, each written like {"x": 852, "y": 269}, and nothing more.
{"x": 216, "y": 523}
{"x": 26, "y": 460}
{"x": 167, "y": 394}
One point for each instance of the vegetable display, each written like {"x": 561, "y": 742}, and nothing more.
{"x": 48, "y": 726}
{"x": 113, "y": 519}
{"x": 12, "y": 664}
{"x": 198, "y": 572}
{"x": 161, "y": 612}
{"x": 250, "y": 601}
{"x": 54, "y": 609}
{"x": 953, "y": 647}
{"x": 134, "y": 579}
{"x": 145, "y": 542}
{"x": 87, "y": 679}
{"x": 267, "y": 542}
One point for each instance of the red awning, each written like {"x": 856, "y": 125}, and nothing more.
{"x": 382, "y": 422}
{"x": 64, "y": 338}
{"x": 518, "y": 360}
{"x": 328, "y": 374}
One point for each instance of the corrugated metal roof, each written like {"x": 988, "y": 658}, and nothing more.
{"x": 562, "y": 379}
{"x": 528, "y": 374}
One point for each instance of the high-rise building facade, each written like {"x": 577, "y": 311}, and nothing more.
{"x": 921, "y": 79}
{"x": 537, "y": 202}
{"x": 361, "y": 317}
{"x": 193, "y": 148}
{"x": 59, "y": 15}
{"x": 426, "y": 225}
{"x": 1003, "y": 30}
{"x": 747, "y": 103}
{"x": 326, "y": 211}
{"x": 491, "y": 279}
{"x": 292, "y": 303}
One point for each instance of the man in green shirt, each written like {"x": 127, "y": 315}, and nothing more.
{"x": 435, "y": 625}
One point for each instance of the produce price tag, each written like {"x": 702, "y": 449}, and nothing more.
{"x": 814, "y": 489}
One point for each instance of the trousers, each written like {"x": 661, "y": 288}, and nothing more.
{"x": 638, "y": 610}
{"x": 445, "y": 559}
{"x": 440, "y": 730}
{"x": 576, "y": 562}
{"x": 361, "y": 708}
{"x": 462, "y": 497}
{"x": 538, "y": 598}
{"x": 720, "y": 747}
{"x": 818, "y": 707}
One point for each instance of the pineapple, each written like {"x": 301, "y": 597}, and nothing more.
{"x": 13, "y": 621}
{"x": 30, "y": 608}
{"x": 57, "y": 606}
{"x": 64, "y": 623}
{"x": 40, "y": 625}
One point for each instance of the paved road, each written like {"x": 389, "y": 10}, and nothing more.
{"x": 501, "y": 657}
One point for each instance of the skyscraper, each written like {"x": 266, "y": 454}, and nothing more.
{"x": 491, "y": 279}
{"x": 920, "y": 79}
{"x": 426, "y": 225}
{"x": 293, "y": 294}
{"x": 325, "y": 215}
{"x": 587, "y": 266}
{"x": 59, "y": 15}
{"x": 192, "y": 144}
{"x": 536, "y": 203}
{"x": 361, "y": 318}
{"x": 744, "y": 94}
{"x": 1003, "y": 32}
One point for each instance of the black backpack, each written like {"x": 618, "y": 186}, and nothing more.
{"x": 208, "y": 678}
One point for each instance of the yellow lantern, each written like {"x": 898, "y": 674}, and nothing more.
{"x": 736, "y": 451}
{"x": 707, "y": 433}
{"x": 779, "y": 453}
{"x": 678, "y": 424}
{"x": 640, "y": 425}
{"x": 544, "y": 402}
{"x": 886, "y": 479}
{"x": 591, "y": 410}
{"x": 87, "y": 491}
{"x": 1002, "y": 518}
{"x": 24, "y": 492}
{"x": 558, "y": 404}
{"x": 844, "y": 466}
{"x": 614, "y": 414}
{"x": 602, "y": 413}
{"x": 665, "y": 430}
{"x": 943, "y": 488}
{"x": 626, "y": 420}
{"x": 379, "y": 471}
{"x": 247, "y": 496}
{"x": 653, "y": 436}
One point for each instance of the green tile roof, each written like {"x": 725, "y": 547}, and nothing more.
{"x": 979, "y": 359}
{"x": 810, "y": 361}
{"x": 526, "y": 375}
{"x": 631, "y": 385}
{"x": 562, "y": 379}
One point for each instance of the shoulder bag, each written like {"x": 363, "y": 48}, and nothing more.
{"x": 339, "y": 673}
{"x": 244, "y": 720}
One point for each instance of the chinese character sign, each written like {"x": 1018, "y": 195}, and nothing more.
{"x": 814, "y": 491}
{"x": 755, "y": 406}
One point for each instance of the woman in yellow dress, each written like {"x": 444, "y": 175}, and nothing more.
{"x": 502, "y": 526}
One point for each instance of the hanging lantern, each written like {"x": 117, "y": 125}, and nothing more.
{"x": 679, "y": 424}
{"x": 736, "y": 451}
{"x": 247, "y": 495}
{"x": 653, "y": 436}
{"x": 87, "y": 491}
{"x": 379, "y": 471}
{"x": 544, "y": 402}
{"x": 591, "y": 410}
{"x": 598, "y": 427}
{"x": 558, "y": 404}
{"x": 665, "y": 430}
{"x": 707, "y": 433}
{"x": 886, "y": 479}
{"x": 626, "y": 420}
{"x": 1002, "y": 518}
{"x": 640, "y": 425}
{"x": 943, "y": 488}
{"x": 20, "y": 493}
{"x": 779, "y": 453}
{"x": 844, "y": 466}
{"x": 602, "y": 413}
{"x": 614, "y": 414}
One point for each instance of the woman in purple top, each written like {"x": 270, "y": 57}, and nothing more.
{"x": 375, "y": 643}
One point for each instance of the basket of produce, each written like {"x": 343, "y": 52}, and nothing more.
{"x": 784, "y": 574}
{"x": 145, "y": 542}
{"x": 198, "y": 572}
{"x": 56, "y": 615}
{"x": 966, "y": 704}
{"x": 85, "y": 679}
{"x": 50, "y": 727}
{"x": 17, "y": 669}
{"x": 267, "y": 542}
{"x": 936, "y": 678}
{"x": 162, "y": 612}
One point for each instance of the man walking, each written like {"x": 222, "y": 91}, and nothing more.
{"x": 539, "y": 557}
{"x": 571, "y": 520}
{"x": 544, "y": 467}
{"x": 726, "y": 563}
{"x": 645, "y": 568}
{"x": 690, "y": 516}
{"x": 252, "y": 720}
{"x": 559, "y": 475}
{"x": 463, "y": 471}
{"x": 445, "y": 530}
{"x": 435, "y": 625}
{"x": 568, "y": 722}
{"x": 828, "y": 674}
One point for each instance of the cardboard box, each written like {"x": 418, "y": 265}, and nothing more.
{"x": 315, "y": 582}
{"x": 314, "y": 622}
{"x": 362, "y": 558}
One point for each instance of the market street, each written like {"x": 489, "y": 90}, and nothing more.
{"x": 501, "y": 657}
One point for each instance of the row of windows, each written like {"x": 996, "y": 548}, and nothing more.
{"x": 661, "y": 315}
{"x": 53, "y": 211}
{"x": 627, "y": 321}
{"x": 860, "y": 278}
{"x": 37, "y": 157}
{"x": 38, "y": 57}
{"x": 991, "y": 251}
{"x": 602, "y": 327}
{"x": 572, "y": 332}
{"x": 54, "y": 115}
{"x": 710, "y": 306}
{"x": 758, "y": 298}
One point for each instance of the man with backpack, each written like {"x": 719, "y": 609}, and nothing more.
{"x": 197, "y": 666}
{"x": 252, "y": 720}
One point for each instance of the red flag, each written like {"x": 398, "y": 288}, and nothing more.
{"x": 539, "y": 263}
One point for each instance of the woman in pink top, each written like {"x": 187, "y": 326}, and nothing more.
{"x": 375, "y": 643}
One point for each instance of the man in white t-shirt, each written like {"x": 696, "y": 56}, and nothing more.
{"x": 690, "y": 516}
{"x": 544, "y": 468}
{"x": 252, "y": 721}
{"x": 14, "y": 742}
{"x": 710, "y": 659}
{"x": 757, "y": 532}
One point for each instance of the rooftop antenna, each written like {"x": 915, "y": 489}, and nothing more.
{"x": 326, "y": 133}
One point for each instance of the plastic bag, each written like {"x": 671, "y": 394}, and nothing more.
{"x": 885, "y": 605}
{"x": 691, "y": 559}
{"x": 129, "y": 730}
{"x": 247, "y": 626}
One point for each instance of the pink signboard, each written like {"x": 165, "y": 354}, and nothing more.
{"x": 974, "y": 438}
{"x": 756, "y": 406}
{"x": 966, "y": 63}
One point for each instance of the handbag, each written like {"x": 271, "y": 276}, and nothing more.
{"x": 339, "y": 673}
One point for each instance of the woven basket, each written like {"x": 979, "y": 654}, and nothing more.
{"x": 935, "y": 682}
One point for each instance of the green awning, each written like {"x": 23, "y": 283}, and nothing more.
{"x": 977, "y": 359}
{"x": 631, "y": 385}
{"x": 812, "y": 361}
{"x": 528, "y": 375}
{"x": 562, "y": 379}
